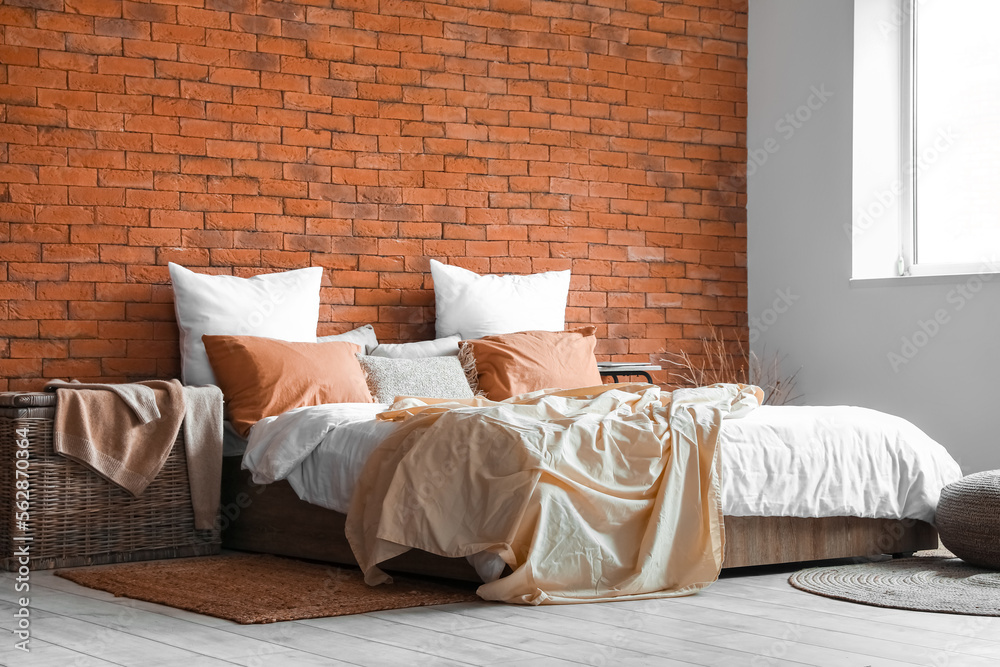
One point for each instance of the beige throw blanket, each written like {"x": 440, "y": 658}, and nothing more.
{"x": 605, "y": 493}
{"x": 203, "y": 447}
{"x": 140, "y": 398}
{"x": 125, "y": 433}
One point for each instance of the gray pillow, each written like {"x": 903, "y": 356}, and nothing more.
{"x": 427, "y": 377}
{"x": 364, "y": 337}
{"x": 441, "y": 347}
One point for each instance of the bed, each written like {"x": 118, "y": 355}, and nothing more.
{"x": 596, "y": 493}
{"x": 799, "y": 484}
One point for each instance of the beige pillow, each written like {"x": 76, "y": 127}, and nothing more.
{"x": 510, "y": 364}
{"x": 264, "y": 377}
{"x": 425, "y": 377}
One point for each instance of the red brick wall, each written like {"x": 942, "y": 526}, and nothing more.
{"x": 245, "y": 136}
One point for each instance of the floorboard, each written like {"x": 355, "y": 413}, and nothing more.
{"x": 749, "y": 617}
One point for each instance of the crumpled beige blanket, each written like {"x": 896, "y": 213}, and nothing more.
{"x": 604, "y": 493}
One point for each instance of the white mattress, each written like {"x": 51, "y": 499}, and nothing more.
{"x": 776, "y": 461}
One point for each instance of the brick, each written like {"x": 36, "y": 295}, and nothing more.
{"x": 177, "y": 219}
{"x": 94, "y": 44}
{"x": 21, "y": 368}
{"x": 30, "y": 37}
{"x": 150, "y": 199}
{"x": 68, "y": 176}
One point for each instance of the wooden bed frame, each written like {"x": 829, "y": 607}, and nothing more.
{"x": 272, "y": 519}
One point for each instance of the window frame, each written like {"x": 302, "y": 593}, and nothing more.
{"x": 908, "y": 263}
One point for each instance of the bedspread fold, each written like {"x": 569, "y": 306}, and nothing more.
{"x": 604, "y": 493}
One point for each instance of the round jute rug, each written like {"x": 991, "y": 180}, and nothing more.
{"x": 947, "y": 585}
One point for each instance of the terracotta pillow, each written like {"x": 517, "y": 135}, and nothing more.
{"x": 263, "y": 377}
{"x": 510, "y": 364}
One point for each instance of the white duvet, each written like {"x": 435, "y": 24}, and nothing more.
{"x": 775, "y": 461}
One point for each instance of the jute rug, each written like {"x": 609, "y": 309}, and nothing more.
{"x": 940, "y": 583}
{"x": 263, "y": 589}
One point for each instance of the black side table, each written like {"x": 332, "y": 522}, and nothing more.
{"x": 613, "y": 369}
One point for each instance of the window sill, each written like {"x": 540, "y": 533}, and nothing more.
{"x": 936, "y": 279}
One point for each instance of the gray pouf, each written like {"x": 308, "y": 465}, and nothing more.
{"x": 968, "y": 518}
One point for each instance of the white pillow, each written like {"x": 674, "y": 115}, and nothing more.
{"x": 362, "y": 336}
{"x": 276, "y": 305}
{"x": 474, "y": 306}
{"x": 440, "y": 347}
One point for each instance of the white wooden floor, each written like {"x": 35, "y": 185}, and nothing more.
{"x": 751, "y": 618}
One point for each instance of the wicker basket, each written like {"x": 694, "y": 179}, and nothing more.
{"x": 76, "y": 517}
{"x": 968, "y": 518}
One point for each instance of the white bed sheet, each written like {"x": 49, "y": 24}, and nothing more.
{"x": 776, "y": 461}
{"x": 831, "y": 461}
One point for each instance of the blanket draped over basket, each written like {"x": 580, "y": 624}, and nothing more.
{"x": 603, "y": 493}
{"x": 125, "y": 432}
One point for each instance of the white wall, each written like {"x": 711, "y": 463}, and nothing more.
{"x": 799, "y": 198}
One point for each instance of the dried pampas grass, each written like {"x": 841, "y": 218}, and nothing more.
{"x": 721, "y": 361}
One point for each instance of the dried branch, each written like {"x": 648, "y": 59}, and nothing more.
{"x": 722, "y": 362}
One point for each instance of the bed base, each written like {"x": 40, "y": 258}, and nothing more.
{"x": 272, "y": 519}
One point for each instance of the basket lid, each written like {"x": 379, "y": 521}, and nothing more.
{"x": 27, "y": 399}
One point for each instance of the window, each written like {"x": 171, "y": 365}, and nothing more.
{"x": 950, "y": 136}
{"x": 926, "y": 168}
